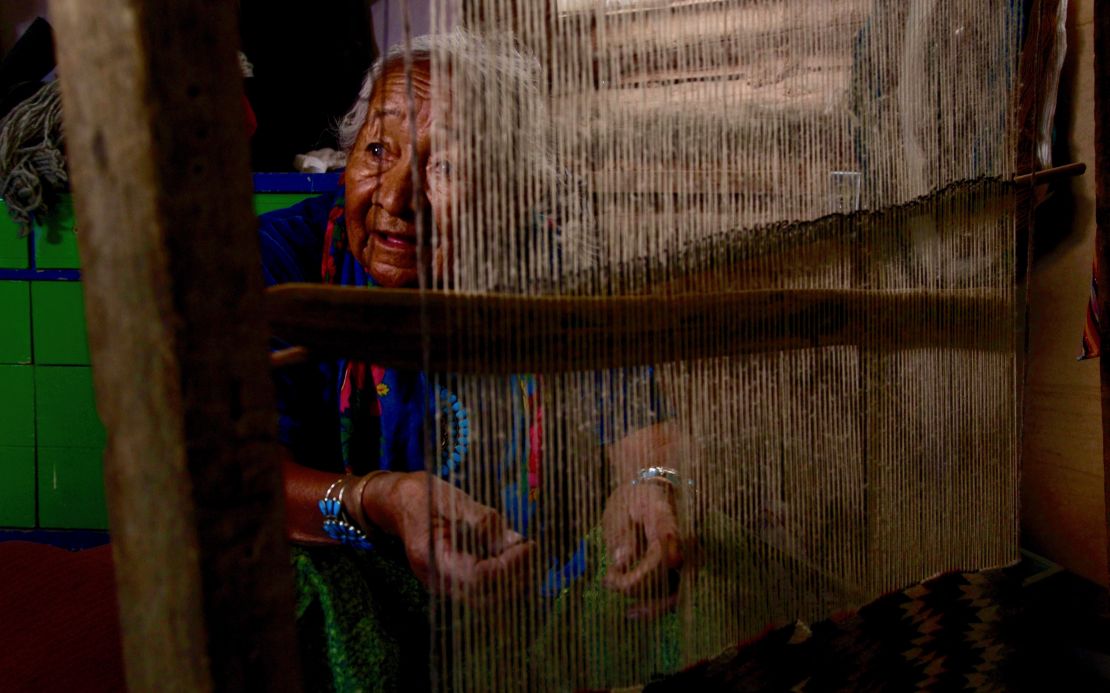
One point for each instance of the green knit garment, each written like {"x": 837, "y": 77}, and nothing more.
{"x": 364, "y": 620}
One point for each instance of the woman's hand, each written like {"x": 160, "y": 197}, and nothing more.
{"x": 455, "y": 545}
{"x": 643, "y": 536}
{"x": 644, "y": 545}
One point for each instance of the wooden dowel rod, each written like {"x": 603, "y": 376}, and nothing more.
{"x": 293, "y": 356}
{"x": 497, "y": 333}
{"x": 1065, "y": 171}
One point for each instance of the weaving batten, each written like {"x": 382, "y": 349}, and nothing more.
{"x": 715, "y": 152}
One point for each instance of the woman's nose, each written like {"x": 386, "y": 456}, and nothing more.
{"x": 395, "y": 192}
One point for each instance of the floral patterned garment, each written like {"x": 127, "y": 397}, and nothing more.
{"x": 382, "y": 411}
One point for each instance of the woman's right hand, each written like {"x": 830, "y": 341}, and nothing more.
{"x": 456, "y": 546}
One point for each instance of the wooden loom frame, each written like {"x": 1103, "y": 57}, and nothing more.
{"x": 157, "y": 150}
{"x": 161, "y": 178}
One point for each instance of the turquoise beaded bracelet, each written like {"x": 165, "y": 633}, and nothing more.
{"x": 337, "y": 524}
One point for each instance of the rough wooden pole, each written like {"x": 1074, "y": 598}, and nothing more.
{"x": 160, "y": 173}
{"x": 1102, "y": 233}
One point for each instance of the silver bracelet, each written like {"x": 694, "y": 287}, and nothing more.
{"x": 337, "y": 524}
{"x": 671, "y": 476}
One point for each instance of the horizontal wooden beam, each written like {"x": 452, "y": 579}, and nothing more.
{"x": 497, "y": 333}
{"x": 1045, "y": 175}
{"x": 678, "y": 181}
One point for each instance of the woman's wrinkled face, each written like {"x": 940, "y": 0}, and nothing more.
{"x": 382, "y": 202}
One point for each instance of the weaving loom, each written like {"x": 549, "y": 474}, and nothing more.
{"x": 787, "y": 228}
{"x": 790, "y": 232}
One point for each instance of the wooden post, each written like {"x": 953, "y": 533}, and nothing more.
{"x": 1102, "y": 218}
{"x": 155, "y": 138}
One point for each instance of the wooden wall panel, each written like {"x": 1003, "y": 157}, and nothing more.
{"x": 1063, "y": 503}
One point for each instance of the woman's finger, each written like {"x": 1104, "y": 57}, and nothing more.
{"x": 463, "y": 507}
{"x": 465, "y": 576}
{"x": 494, "y": 533}
{"x": 662, "y": 528}
{"x": 653, "y": 608}
{"x": 622, "y": 547}
{"x": 621, "y": 536}
{"x": 646, "y": 574}
{"x": 479, "y": 528}
{"x": 512, "y": 570}
{"x": 506, "y": 540}
{"x": 449, "y": 567}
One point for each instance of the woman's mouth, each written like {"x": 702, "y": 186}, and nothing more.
{"x": 398, "y": 241}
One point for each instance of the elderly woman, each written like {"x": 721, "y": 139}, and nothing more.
{"x": 353, "y": 432}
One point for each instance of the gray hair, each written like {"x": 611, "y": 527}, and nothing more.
{"x": 496, "y": 94}
{"x": 493, "y": 61}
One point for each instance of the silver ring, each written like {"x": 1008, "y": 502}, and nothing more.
{"x": 671, "y": 476}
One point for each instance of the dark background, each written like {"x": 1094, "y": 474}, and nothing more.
{"x": 309, "y": 60}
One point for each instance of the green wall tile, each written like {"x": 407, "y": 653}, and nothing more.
{"x": 14, "y": 246}
{"x": 17, "y": 487}
{"x": 15, "y": 322}
{"x": 65, "y": 408}
{"x": 267, "y": 202}
{"x": 58, "y": 323}
{"x": 17, "y": 406}
{"x": 71, "y": 488}
{"x": 55, "y": 238}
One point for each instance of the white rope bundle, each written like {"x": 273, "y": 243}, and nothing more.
{"x": 32, "y": 155}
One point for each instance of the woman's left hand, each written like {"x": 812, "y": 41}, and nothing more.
{"x": 644, "y": 545}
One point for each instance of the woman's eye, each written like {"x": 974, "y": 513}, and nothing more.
{"x": 441, "y": 167}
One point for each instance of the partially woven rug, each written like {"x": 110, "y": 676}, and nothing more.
{"x": 956, "y": 632}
